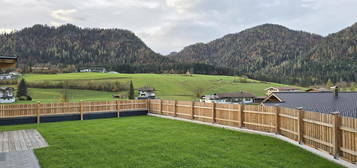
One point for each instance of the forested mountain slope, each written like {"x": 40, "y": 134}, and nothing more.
{"x": 69, "y": 44}
{"x": 276, "y": 53}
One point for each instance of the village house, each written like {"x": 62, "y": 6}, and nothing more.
{"x": 231, "y": 98}
{"x": 271, "y": 90}
{"x": 7, "y": 77}
{"x": 323, "y": 102}
{"x": 92, "y": 69}
{"x": 7, "y": 62}
{"x": 7, "y": 95}
{"x": 146, "y": 93}
{"x": 41, "y": 68}
{"x": 317, "y": 90}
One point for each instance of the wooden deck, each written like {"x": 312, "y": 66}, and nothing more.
{"x": 21, "y": 140}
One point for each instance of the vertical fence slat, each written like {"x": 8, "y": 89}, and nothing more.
{"x": 193, "y": 110}
{"x": 301, "y": 126}
{"x": 277, "y": 119}
{"x": 81, "y": 109}
{"x": 174, "y": 108}
{"x": 241, "y": 114}
{"x": 337, "y": 136}
{"x": 38, "y": 112}
{"x": 213, "y": 112}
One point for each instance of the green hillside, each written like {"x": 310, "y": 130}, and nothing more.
{"x": 168, "y": 86}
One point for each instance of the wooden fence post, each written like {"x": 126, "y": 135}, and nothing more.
{"x": 38, "y": 112}
{"x": 175, "y": 111}
{"x": 277, "y": 119}
{"x": 118, "y": 108}
{"x": 241, "y": 115}
{"x": 160, "y": 106}
{"x": 213, "y": 112}
{"x": 193, "y": 110}
{"x": 148, "y": 105}
{"x": 81, "y": 109}
{"x": 337, "y": 135}
{"x": 301, "y": 125}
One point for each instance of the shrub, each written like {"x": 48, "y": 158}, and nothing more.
{"x": 111, "y": 86}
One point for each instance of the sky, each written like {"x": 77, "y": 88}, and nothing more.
{"x": 170, "y": 25}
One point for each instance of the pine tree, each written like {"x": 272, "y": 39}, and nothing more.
{"x": 131, "y": 90}
{"x": 21, "y": 89}
{"x": 353, "y": 86}
{"x": 65, "y": 94}
{"x": 329, "y": 83}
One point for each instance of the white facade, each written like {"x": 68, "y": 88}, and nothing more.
{"x": 271, "y": 90}
{"x": 102, "y": 70}
{"x": 85, "y": 70}
{"x": 8, "y": 100}
{"x": 6, "y": 77}
{"x": 7, "y": 95}
{"x": 146, "y": 94}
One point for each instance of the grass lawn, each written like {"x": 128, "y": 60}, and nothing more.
{"x": 53, "y": 95}
{"x": 144, "y": 141}
{"x": 168, "y": 86}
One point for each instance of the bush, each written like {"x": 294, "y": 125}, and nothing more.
{"x": 25, "y": 98}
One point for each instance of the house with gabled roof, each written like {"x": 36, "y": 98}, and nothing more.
{"x": 7, "y": 62}
{"x": 323, "y": 102}
{"x": 232, "y": 98}
{"x": 7, "y": 95}
{"x": 273, "y": 89}
{"x": 318, "y": 90}
{"x": 146, "y": 93}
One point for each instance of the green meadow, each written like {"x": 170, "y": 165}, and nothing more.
{"x": 168, "y": 86}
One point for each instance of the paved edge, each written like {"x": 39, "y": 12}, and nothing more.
{"x": 310, "y": 149}
{"x": 20, "y": 159}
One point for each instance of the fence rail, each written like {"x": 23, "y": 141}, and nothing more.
{"x": 331, "y": 133}
{"x": 39, "y": 109}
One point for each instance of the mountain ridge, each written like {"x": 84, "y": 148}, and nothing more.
{"x": 269, "y": 52}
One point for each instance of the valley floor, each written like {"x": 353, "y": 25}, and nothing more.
{"x": 168, "y": 86}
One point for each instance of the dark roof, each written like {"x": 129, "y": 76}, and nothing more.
{"x": 324, "y": 102}
{"x": 260, "y": 97}
{"x": 6, "y": 88}
{"x": 146, "y": 89}
{"x": 235, "y": 95}
{"x": 7, "y": 57}
{"x": 318, "y": 90}
{"x": 284, "y": 88}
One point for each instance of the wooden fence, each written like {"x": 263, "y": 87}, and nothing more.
{"x": 331, "y": 133}
{"x": 39, "y": 109}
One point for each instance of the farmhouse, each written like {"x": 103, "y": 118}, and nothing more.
{"x": 146, "y": 93}
{"x": 271, "y": 90}
{"x": 7, "y": 62}
{"x": 7, "y": 95}
{"x": 234, "y": 97}
{"x": 92, "y": 69}
{"x": 41, "y": 68}
{"x": 323, "y": 102}
{"x": 318, "y": 90}
{"x": 6, "y": 76}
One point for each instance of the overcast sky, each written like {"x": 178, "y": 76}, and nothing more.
{"x": 170, "y": 25}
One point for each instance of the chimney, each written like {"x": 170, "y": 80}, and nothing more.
{"x": 335, "y": 90}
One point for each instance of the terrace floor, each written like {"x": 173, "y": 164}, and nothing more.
{"x": 21, "y": 140}
{"x": 16, "y": 148}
